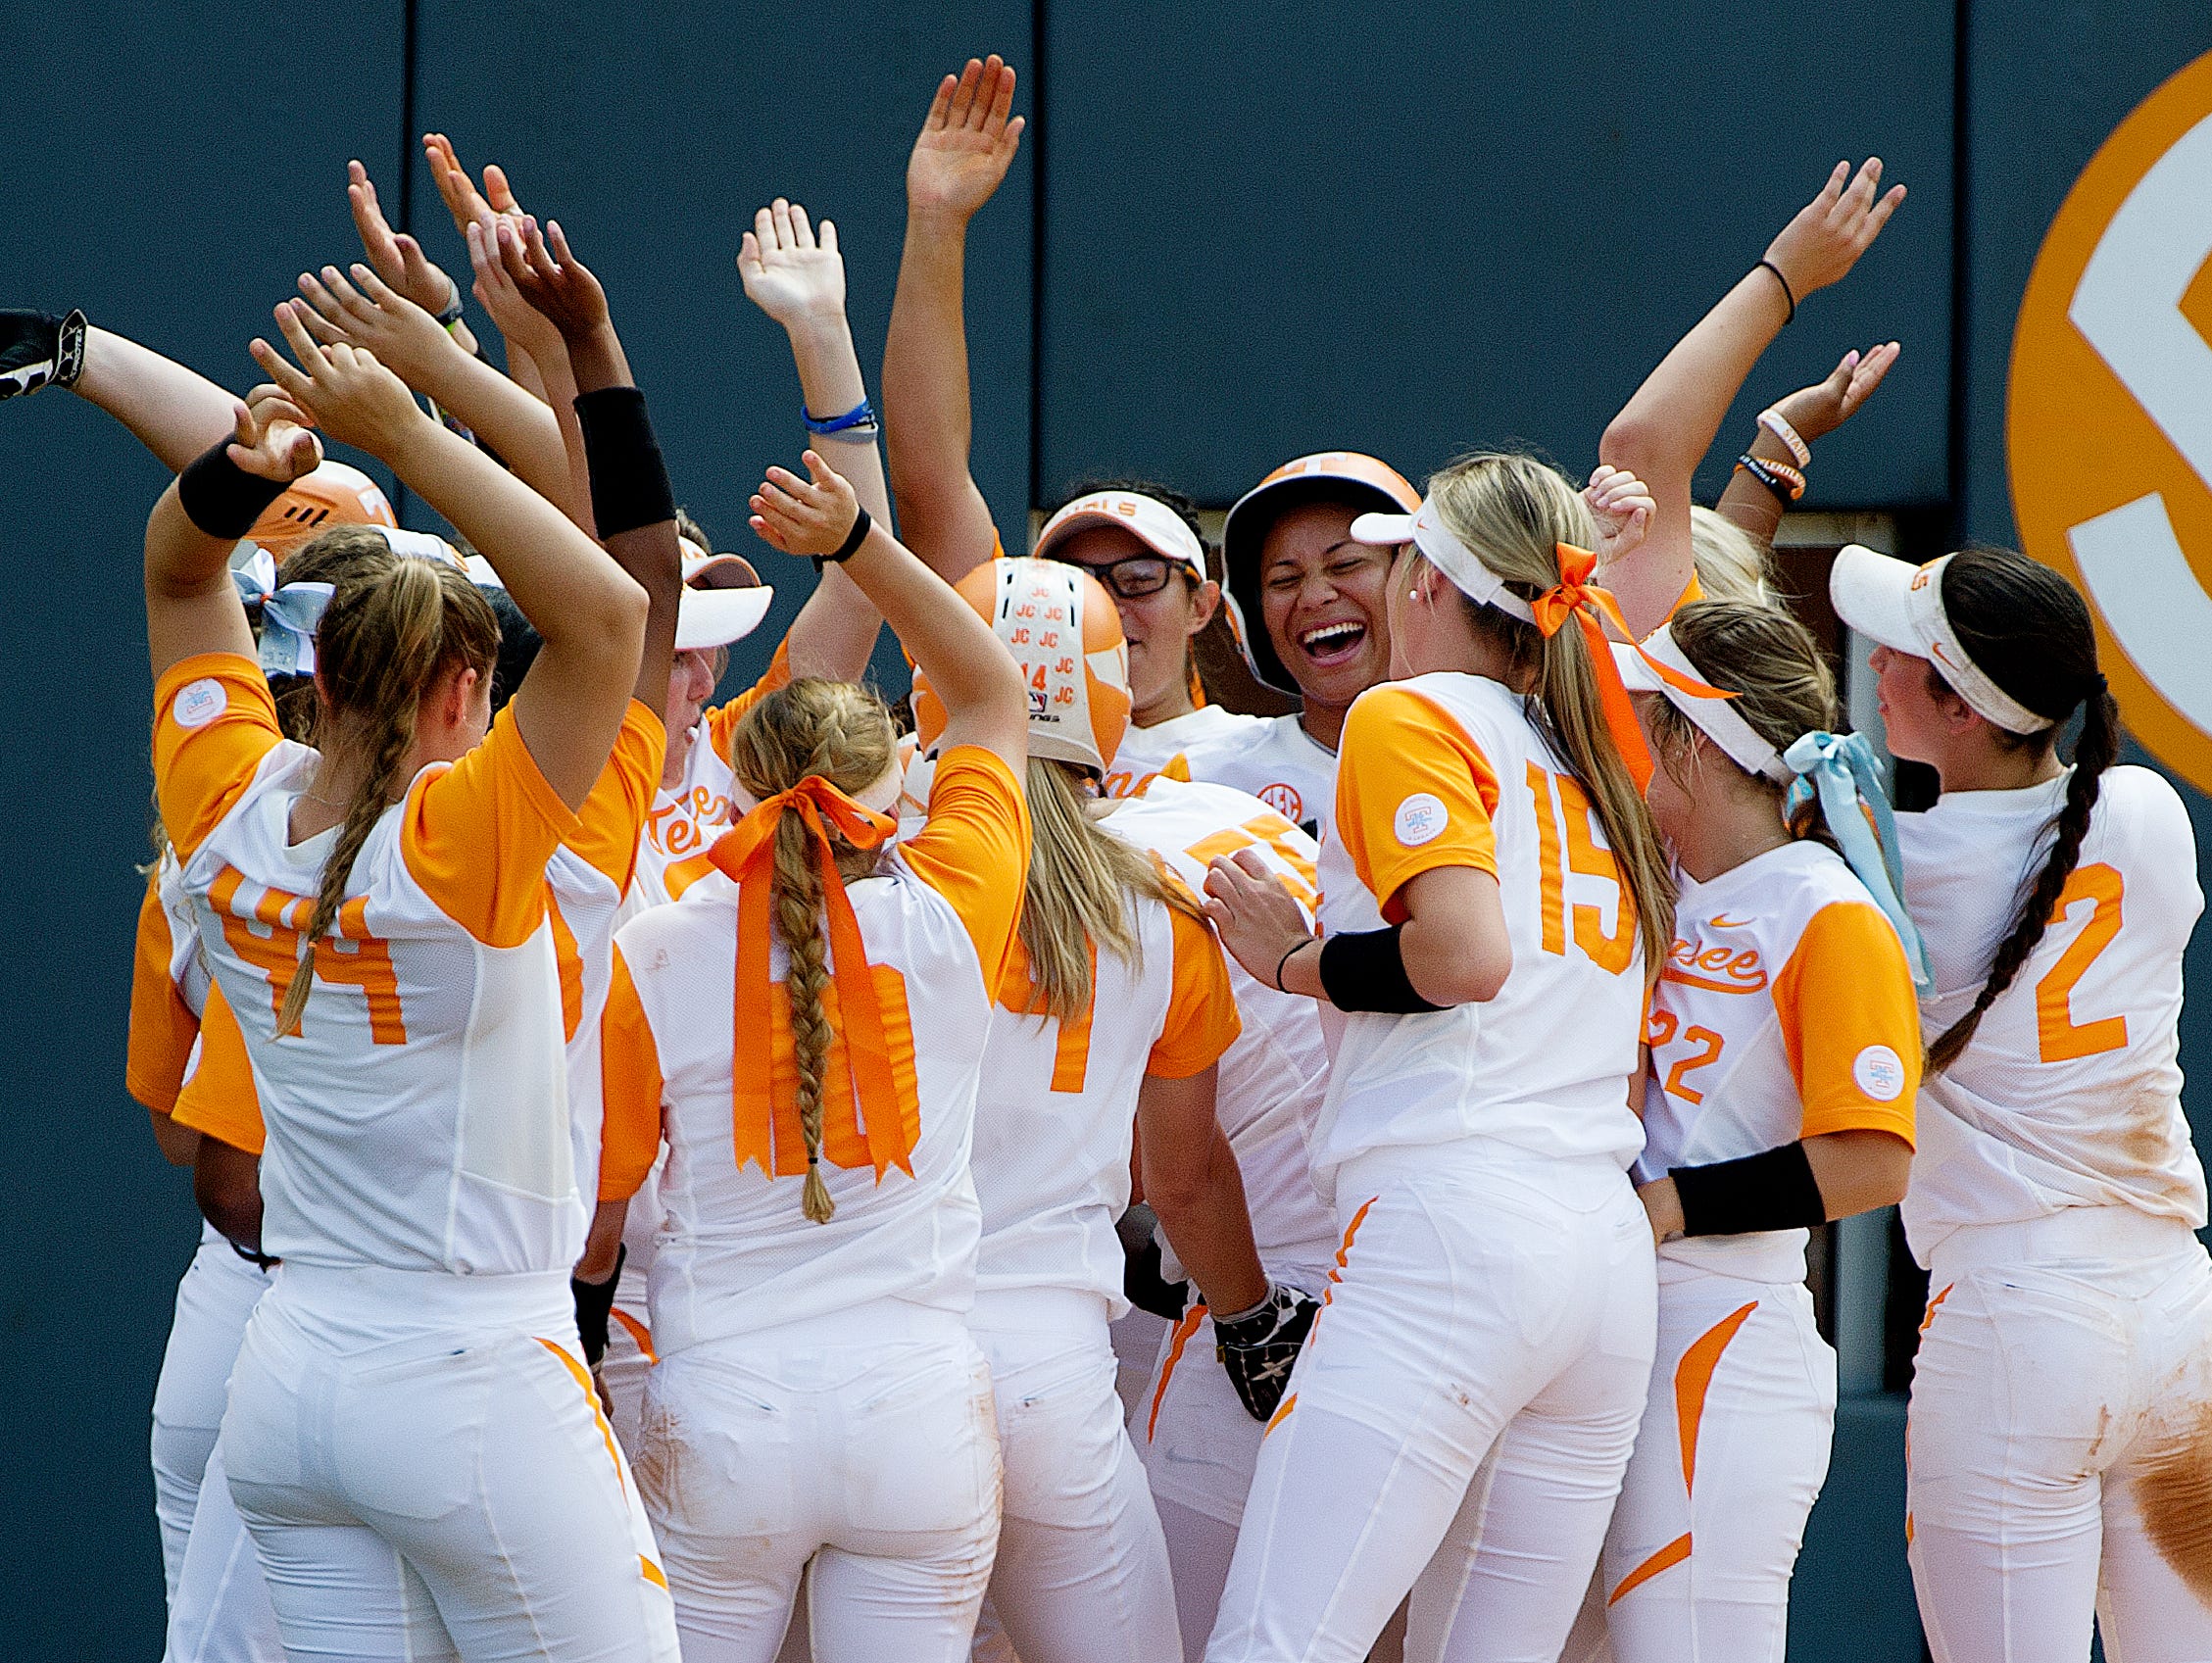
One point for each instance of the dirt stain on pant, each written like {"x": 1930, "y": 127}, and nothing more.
{"x": 2175, "y": 1493}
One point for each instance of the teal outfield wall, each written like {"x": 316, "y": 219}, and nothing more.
{"x": 1236, "y": 232}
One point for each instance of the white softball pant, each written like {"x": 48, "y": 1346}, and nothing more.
{"x": 1730, "y": 1456}
{"x": 424, "y": 1465}
{"x": 862, "y": 1442}
{"x": 1460, "y": 1422}
{"x": 213, "y": 1298}
{"x": 1199, "y": 1447}
{"x": 2060, "y": 1442}
{"x": 220, "y": 1612}
{"x": 1082, "y": 1572}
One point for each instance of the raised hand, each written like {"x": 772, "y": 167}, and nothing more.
{"x": 1258, "y": 920}
{"x": 1830, "y": 232}
{"x": 398, "y": 257}
{"x": 519, "y": 322}
{"x": 1825, "y": 406}
{"x": 788, "y": 272}
{"x": 803, "y": 518}
{"x": 405, "y": 338}
{"x": 1622, "y": 505}
{"x": 340, "y": 387}
{"x": 967, "y": 142}
{"x": 270, "y": 437}
{"x": 554, "y": 281}
{"x": 459, "y": 192}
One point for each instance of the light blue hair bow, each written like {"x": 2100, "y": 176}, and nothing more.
{"x": 289, "y": 614}
{"x": 1839, "y": 769}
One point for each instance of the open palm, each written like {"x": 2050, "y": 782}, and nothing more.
{"x": 966, "y": 143}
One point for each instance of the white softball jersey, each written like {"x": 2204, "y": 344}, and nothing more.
{"x": 1145, "y": 751}
{"x": 736, "y": 1252}
{"x": 1278, "y": 761}
{"x": 1448, "y": 771}
{"x": 2070, "y": 1094}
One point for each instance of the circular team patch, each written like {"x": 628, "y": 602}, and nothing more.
{"x": 200, "y": 703}
{"x": 1880, "y": 1073}
{"x": 1420, "y": 818}
{"x": 1284, "y": 799}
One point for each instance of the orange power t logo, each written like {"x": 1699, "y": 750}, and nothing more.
{"x": 2108, "y": 419}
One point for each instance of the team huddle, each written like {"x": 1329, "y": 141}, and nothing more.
{"x": 1063, "y": 1168}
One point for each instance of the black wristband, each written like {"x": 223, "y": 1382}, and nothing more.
{"x": 852, "y": 544}
{"x": 1757, "y": 468}
{"x": 1787, "y": 293}
{"x": 629, "y": 482}
{"x": 222, "y": 498}
{"x": 1773, "y": 1190}
{"x": 1365, "y": 970}
{"x": 594, "y": 1300}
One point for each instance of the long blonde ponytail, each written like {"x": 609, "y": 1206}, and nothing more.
{"x": 1081, "y": 880}
{"x": 1515, "y": 512}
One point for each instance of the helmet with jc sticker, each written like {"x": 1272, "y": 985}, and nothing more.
{"x": 1062, "y": 628}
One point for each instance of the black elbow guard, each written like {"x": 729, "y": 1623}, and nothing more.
{"x": 629, "y": 480}
{"x": 595, "y": 1300}
{"x": 1773, "y": 1190}
{"x": 1365, "y": 970}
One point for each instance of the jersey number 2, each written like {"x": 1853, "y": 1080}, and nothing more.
{"x": 2058, "y": 1037}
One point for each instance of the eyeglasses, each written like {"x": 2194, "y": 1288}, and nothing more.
{"x": 1132, "y": 577}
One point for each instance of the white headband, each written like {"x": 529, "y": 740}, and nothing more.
{"x": 1426, "y": 531}
{"x": 1716, "y": 718}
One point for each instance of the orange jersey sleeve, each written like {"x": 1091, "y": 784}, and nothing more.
{"x": 613, "y": 817}
{"x": 1413, "y": 793}
{"x": 1851, "y": 1023}
{"x": 161, "y": 1025}
{"x": 1202, "y": 1013}
{"x": 476, "y": 837}
{"x": 974, "y": 850}
{"x": 213, "y": 721}
{"x": 722, "y": 719}
{"x": 219, "y": 1098}
{"x": 629, "y": 1128}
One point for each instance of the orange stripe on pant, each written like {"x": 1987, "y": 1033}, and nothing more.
{"x": 1692, "y": 1378}
{"x": 583, "y": 1377}
{"x": 1184, "y": 1328}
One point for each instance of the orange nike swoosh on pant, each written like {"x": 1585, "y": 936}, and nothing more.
{"x": 1185, "y": 1327}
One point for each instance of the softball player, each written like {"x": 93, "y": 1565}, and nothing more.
{"x": 1199, "y": 1440}
{"x": 1307, "y": 601}
{"x": 1466, "y": 1408}
{"x": 818, "y": 1395}
{"x": 1784, "y": 1053}
{"x": 409, "y": 1435}
{"x": 1116, "y": 1006}
{"x": 2060, "y": 1438}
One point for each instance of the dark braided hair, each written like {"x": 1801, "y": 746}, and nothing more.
{"x": 2029, "y": 631}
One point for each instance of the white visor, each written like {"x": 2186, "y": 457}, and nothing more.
{"x": 1715, "y": 718}
{"x": 1901, "y": 607}
{"x": 1147, "y": 518}
{"x": 1425, "y": 530}
{"x": 723, "y": 600}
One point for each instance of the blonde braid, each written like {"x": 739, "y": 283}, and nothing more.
{"x": 388, "y": 631}
{"x": 834, "y": 731}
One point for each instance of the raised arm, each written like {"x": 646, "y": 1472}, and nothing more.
{"x": 399, "y": 260}
{"x": 529, "y": 334}
{"x": 590, "y": 613}
{"x": 1811, "y": 414}
{"x": 369, "y": 313}
{"x": 468, "y": 206}
{"x": 967, "y": 144}
{"x": 174, "y": 411}
{"x": 192, "y": 607}
{"x": 631, "y": 501}
{"x": 1666, "y": 429}
{"x": 986, "y": 703}
{"x": 799, "y": 279}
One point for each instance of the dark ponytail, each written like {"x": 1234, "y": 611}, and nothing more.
{"x": 2029, "y": 631}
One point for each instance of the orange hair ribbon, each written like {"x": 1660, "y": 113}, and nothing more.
{"x": 1575, "y": 596}
{"x": 747, "y": 854}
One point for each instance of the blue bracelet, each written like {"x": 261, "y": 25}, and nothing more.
{"x": 862, "y": 414}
